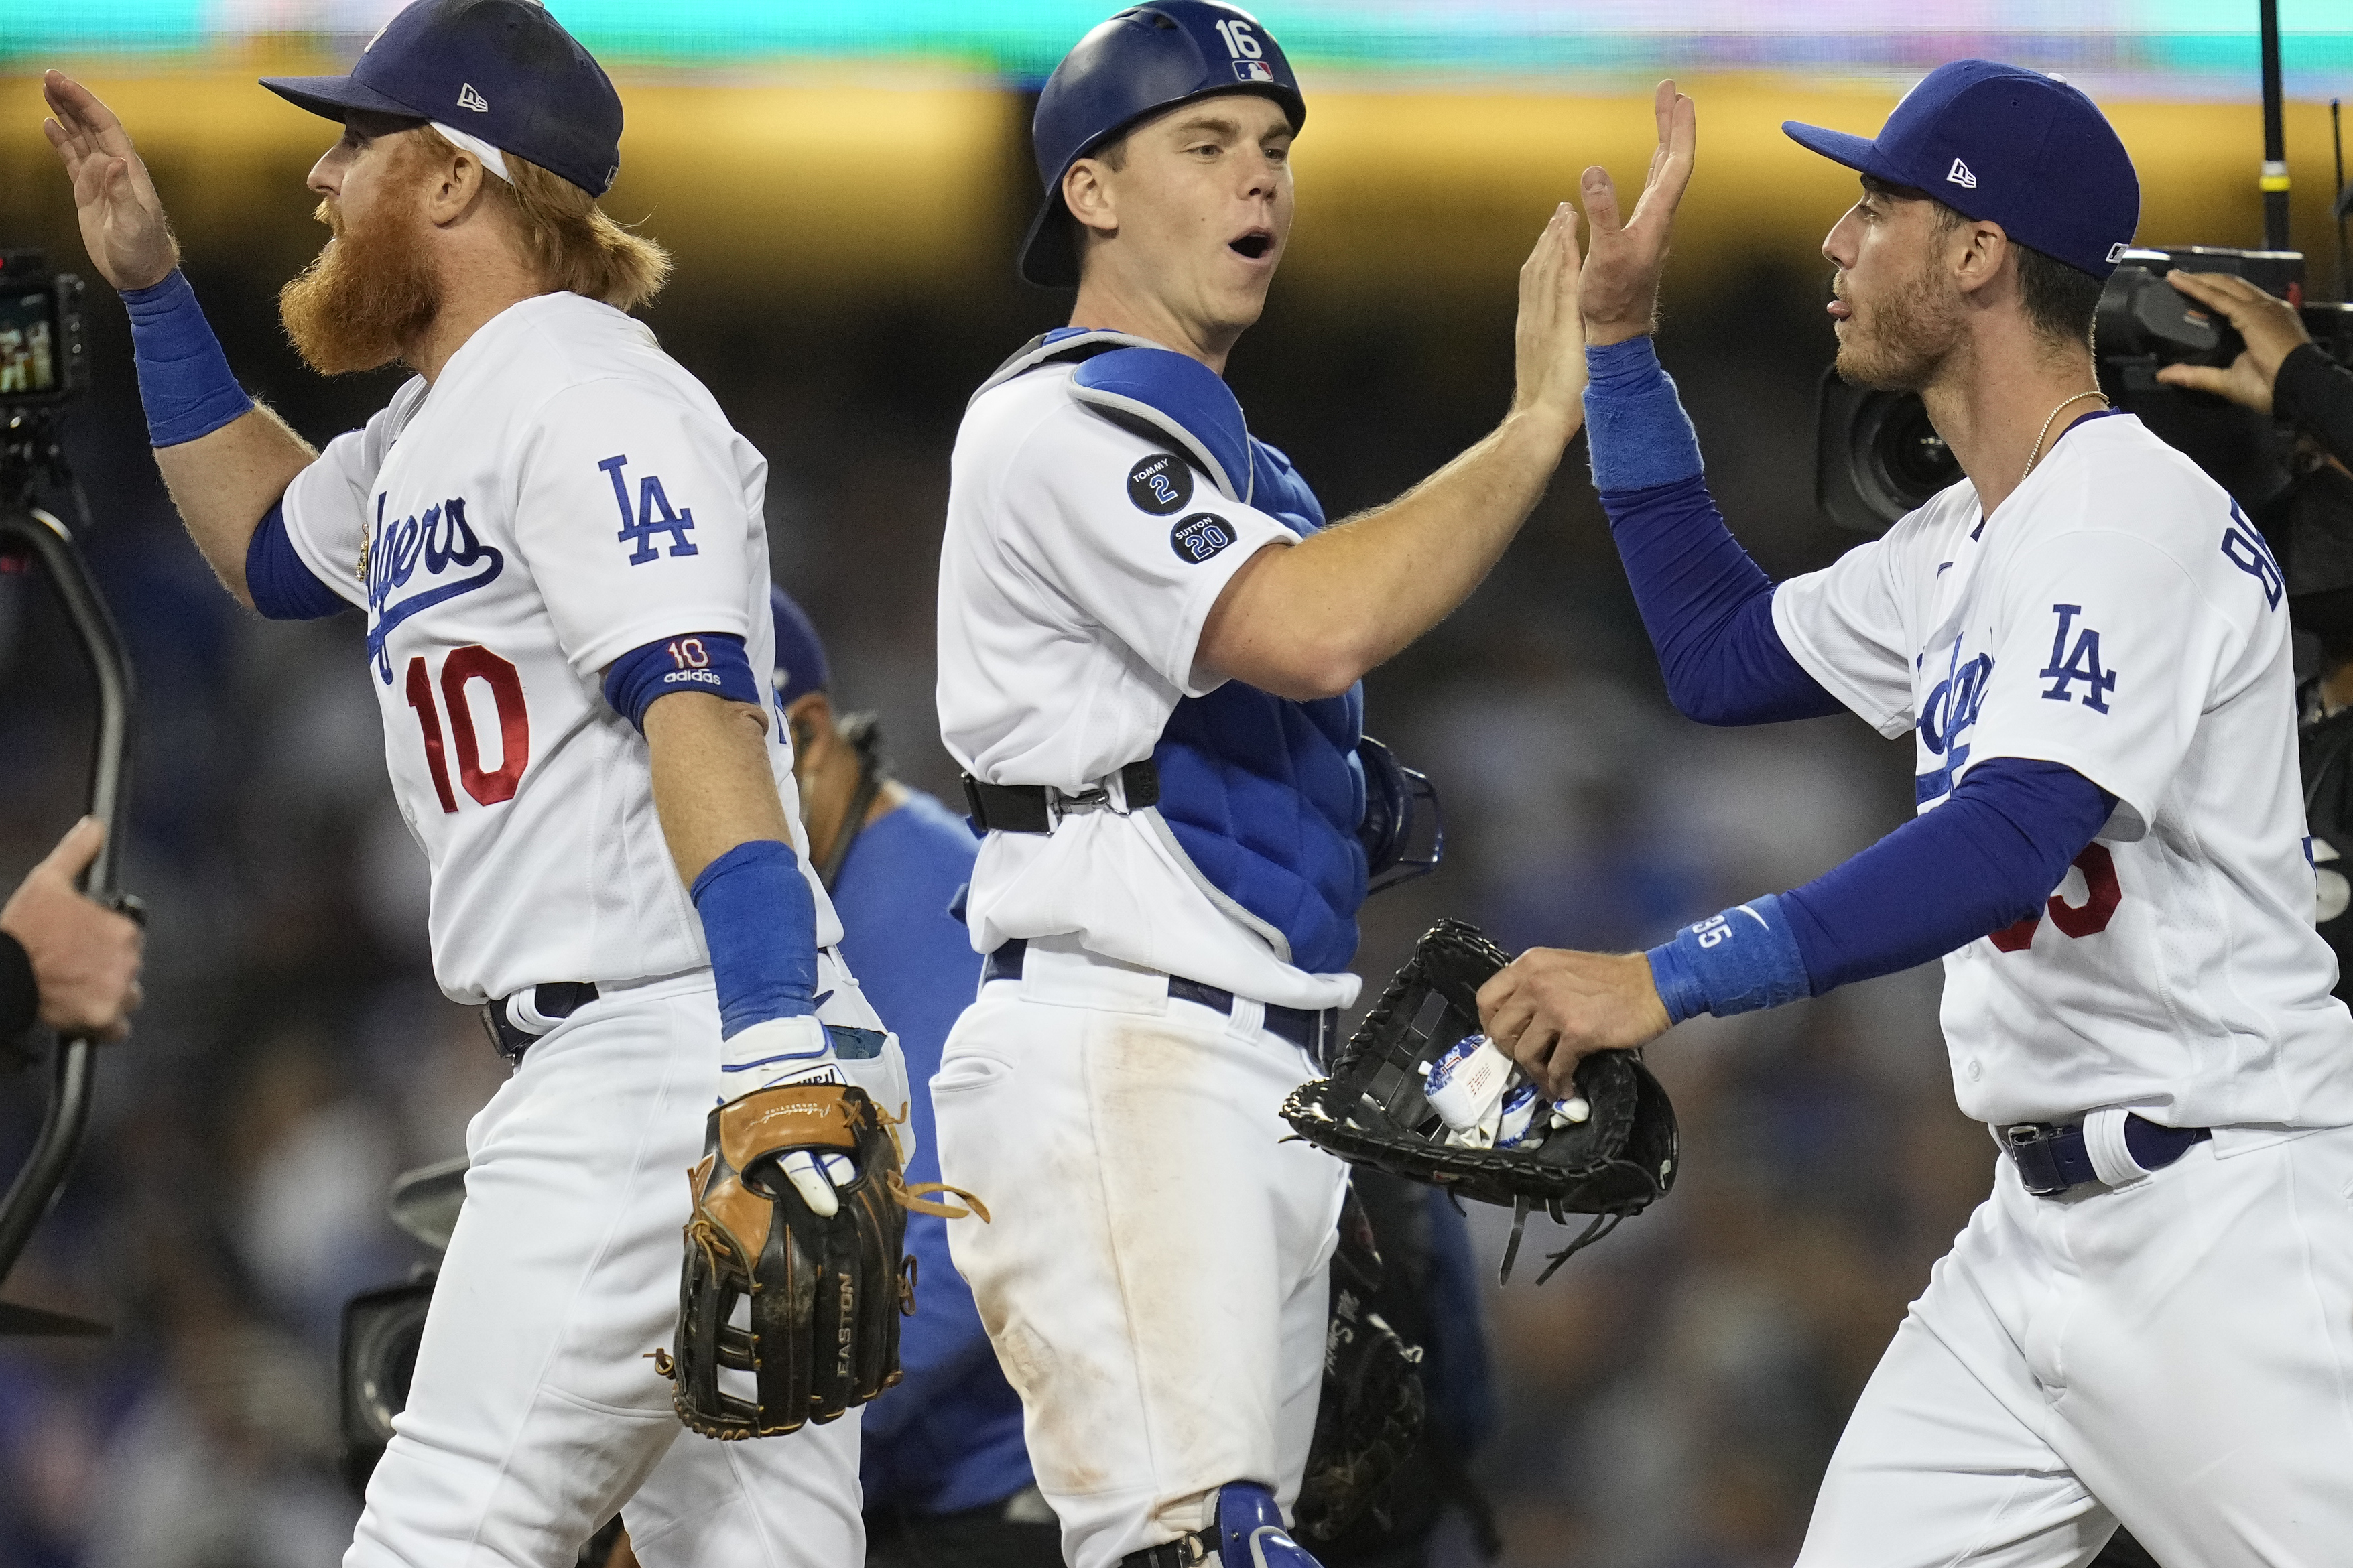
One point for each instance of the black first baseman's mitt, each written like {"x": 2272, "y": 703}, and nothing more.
{"x": 825, "y": 1291}
{"x": 1372, "y": 1110}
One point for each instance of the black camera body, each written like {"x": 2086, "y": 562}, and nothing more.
{"x": 43, "y": 361}
{"x": 1877, "y": 456}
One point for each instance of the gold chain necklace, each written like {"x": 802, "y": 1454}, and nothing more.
{"x": 2036, "y": 456}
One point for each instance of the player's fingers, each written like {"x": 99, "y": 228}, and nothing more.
{"x": 1671, "y": 173}
{"x": 1600, "y": 203}
{"x": 800, "y": 1168}
{"x": 77, "y": 849}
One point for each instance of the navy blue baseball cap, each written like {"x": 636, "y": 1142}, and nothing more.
{"x": 800, "y": 657}
{"x": 2005, "y": 146}
{"x": 503, "y": 70}
{"x": 1146, "y": 59}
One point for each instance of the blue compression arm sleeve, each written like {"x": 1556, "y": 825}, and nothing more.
{"x": 1992, "y": 852}
{"x": 1708, "y": 608}
{"x": 281, "y": 585}
{"x": 184, "y": 378}
{"x": 759, "y": 920}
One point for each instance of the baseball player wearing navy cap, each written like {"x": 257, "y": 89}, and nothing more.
{"x": 1150, "y": 651}
{"x": 2150, "y": 1320}
{"x": 558, "y": 544}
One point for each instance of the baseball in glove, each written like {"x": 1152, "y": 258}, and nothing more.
{"x": 1611, "y": 1156}
{"x": 1369, "y": 1416}
{"x": 804, "y": 1307}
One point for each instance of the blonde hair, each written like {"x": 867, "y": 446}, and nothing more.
{"x": 571, "y": 242}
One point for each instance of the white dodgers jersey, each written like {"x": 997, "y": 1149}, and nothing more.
{"x": 563, "y": 492}
{"x": 2119, "y": 615}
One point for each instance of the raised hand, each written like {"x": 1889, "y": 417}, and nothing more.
{"x": 2270, "y": 325}
{"x": 1620, "y": 295}
{"x": 122, "y": 223}
{"x": 1549, "y": 339}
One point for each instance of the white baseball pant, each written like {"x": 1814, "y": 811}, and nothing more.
{"x": 2175, "y": 1354}
{"x": 1154, "y": 1280}
{"x": 535, "y": 1412}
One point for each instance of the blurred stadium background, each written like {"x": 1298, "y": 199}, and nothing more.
{"x": 842, "y": 186}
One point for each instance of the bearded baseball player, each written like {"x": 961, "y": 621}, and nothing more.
{"x": 2150, "y": 1322}
{"x": 1149, "y": 654}
{"x": 558, "y": 544}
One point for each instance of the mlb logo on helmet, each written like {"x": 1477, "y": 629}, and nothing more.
{"x": 1253, "y": 70}
{"x": 2006, "y": 145}
{"x": 537, "y": 93}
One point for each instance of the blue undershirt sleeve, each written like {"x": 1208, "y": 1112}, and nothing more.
{"x": 1708, "y": 607}
{"x": 281, "y": 585}
{"x": 1992, "y": 853}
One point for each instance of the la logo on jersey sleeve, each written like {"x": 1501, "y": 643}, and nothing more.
{"x": 2079, "y": 661}
{"x": 653, "y": 516}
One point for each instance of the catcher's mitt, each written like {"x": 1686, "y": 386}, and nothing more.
{"x": 1372, "y": 1110}
{"x": 824, "y": 1292}
{"x": 1369, "y": 1415}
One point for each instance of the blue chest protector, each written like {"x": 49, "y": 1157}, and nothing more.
{"x": 1263, "y": 795}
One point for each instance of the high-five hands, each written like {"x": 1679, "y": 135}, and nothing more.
{"x": 1620, "y": 289}
{"x": 122, "y": 223}
{"x": 1549, "y": 1009}
{"x": 1548, "y": 338}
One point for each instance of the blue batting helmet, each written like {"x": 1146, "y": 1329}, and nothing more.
{"x": 1147, "y": 59}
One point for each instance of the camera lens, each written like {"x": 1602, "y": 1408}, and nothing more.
{"x": 1914, "y": 457}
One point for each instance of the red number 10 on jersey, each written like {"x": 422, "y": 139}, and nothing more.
{"x": 470, "y": 663}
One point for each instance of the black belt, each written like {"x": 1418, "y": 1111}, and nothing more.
{"x": 557, "y": 999}
{"x": 2051, "y": 1157}
{"x": 1035, "y": 808}
{"x": 1312, "y": 1031}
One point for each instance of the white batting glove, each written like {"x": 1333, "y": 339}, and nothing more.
{"x": 784, "y": 1051}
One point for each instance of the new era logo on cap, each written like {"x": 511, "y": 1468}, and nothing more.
{"x": 1961, "y": 176}
{"x": 469, "y": 98}
{"x": 1253, "y": 70}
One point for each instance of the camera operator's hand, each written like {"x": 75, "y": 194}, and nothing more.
{"x": 85, "y": 957}
{"x": 2269, "y": 324}
{"x": 123, "y": 222}
{"x": 1620, "y": 293}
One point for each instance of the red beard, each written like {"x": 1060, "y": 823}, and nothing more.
{"x": 367, "y": 293}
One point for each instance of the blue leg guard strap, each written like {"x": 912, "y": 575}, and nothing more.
{"x": 1250, "y": 1532}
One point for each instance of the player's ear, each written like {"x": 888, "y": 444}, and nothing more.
{"x": 809, "y": 721}
{"x": 1983, "y": 248}
{"x": 1089, "y": 196}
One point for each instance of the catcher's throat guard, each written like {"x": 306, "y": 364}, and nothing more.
{"x": 824, "y": 1293}
{"x": 1372, "y": 1110}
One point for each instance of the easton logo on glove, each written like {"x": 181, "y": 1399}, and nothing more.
{"x": 1609, "y": 1150}
{"x": 824, "y": 1292}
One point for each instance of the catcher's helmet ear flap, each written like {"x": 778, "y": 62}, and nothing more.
{"x": 1144, "y": 60}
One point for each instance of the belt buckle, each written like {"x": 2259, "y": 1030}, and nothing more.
{"x": 2030, "y": 1147}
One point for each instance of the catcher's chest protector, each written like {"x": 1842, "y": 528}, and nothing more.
{"x": 1262, "y": 795}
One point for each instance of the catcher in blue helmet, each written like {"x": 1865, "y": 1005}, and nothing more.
{"x": 1150, "y": 647}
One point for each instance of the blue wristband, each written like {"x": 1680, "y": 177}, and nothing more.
{"x": 759, "y": 920}
{"x": 1738, "y": 961}
{"x": 1637, "y": 434}
{"x": 700, "y": 661}
{"x": 184, "y": 378}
